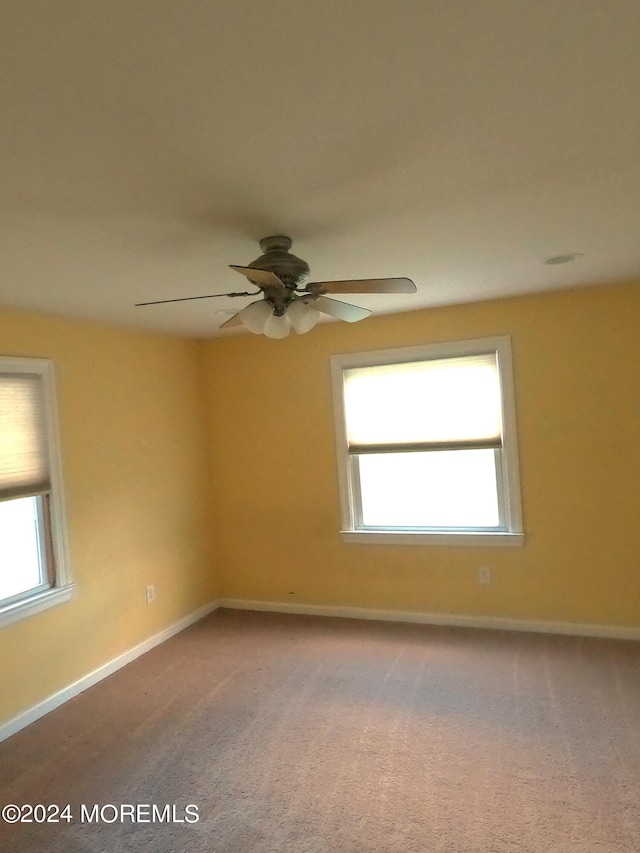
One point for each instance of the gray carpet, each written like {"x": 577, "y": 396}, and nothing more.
{"x": 303, "y": 734}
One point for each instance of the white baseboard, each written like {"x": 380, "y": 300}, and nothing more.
{"x": 36, "y": 711}
{"x": 495, "y": 623}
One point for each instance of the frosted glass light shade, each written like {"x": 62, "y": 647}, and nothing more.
{"x": 276, "y": 327}
{"x": 303, "y": 316}
{"x": 255, "y": 316}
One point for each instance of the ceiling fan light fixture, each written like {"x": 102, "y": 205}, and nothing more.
{"x": 303, "y": 316}
{"x": 255, "y": 316}
{"x": 288, "y": 300}
{"x": 276, "y": 326}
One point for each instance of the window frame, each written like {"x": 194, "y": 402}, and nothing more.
{"x": 510, "y": 532}
{"x": 57, "y": 586}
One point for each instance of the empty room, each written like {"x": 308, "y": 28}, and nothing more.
{"x": 319, "y": 421}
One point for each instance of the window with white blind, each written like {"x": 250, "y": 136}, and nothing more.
{"x": 427, "y": 444}
{"x": 33, "y": 554}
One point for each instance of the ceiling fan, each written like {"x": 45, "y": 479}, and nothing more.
{"x": 287, "y": 300}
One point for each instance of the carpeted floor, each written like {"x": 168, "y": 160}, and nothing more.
{"x": 314, "y": 735}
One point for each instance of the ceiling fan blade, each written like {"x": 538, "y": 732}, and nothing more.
{"x": 341, "y": 310}
{"x": 261, "y": 278}
{"x": 366, "y": 285}
{"x": 232, "y": 321}
{"x": 189, "y": 298}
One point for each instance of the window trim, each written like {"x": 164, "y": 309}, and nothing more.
{"x": 55, "y": 544}
{"x": 508, "y": 484}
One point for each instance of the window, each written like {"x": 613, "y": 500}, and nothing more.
{"x": 427, "y": 446}
{"x": 33, "y": 564}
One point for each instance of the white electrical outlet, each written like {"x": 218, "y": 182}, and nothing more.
{"x": 151, "y": 593}
{"x": 484, "y": 574}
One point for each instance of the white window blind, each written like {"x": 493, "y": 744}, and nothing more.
{"x": 450, "y": 403}
{"x": 24, "y": 466}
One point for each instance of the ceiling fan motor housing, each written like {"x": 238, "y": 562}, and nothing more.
{"x": 291, "y": 270}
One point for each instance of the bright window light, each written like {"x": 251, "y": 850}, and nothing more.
{"x": 34, "y": 574}
{"x": 454, "y": 399}
{"x": 448, "y": 489}
{"x": 20, "y": 564}
{"x": 427, "y": 446}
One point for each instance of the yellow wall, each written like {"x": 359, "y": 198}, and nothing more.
{"x": 134, "y": 413}
{"x": 133, "y": 443}
{"x": 275, "y": 502}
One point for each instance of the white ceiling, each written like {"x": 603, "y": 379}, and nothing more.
{"x": 147, "y": 144}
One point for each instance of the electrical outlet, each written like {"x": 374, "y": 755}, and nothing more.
{"x": 151, "y": 593}
{"x": 484, "y": 574}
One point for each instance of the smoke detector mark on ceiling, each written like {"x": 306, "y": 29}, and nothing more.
{"x": 566, "y": 258}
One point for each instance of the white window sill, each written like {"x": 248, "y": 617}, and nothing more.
{"x": 35, "y": 604}
{"x": 418, "y": 537}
